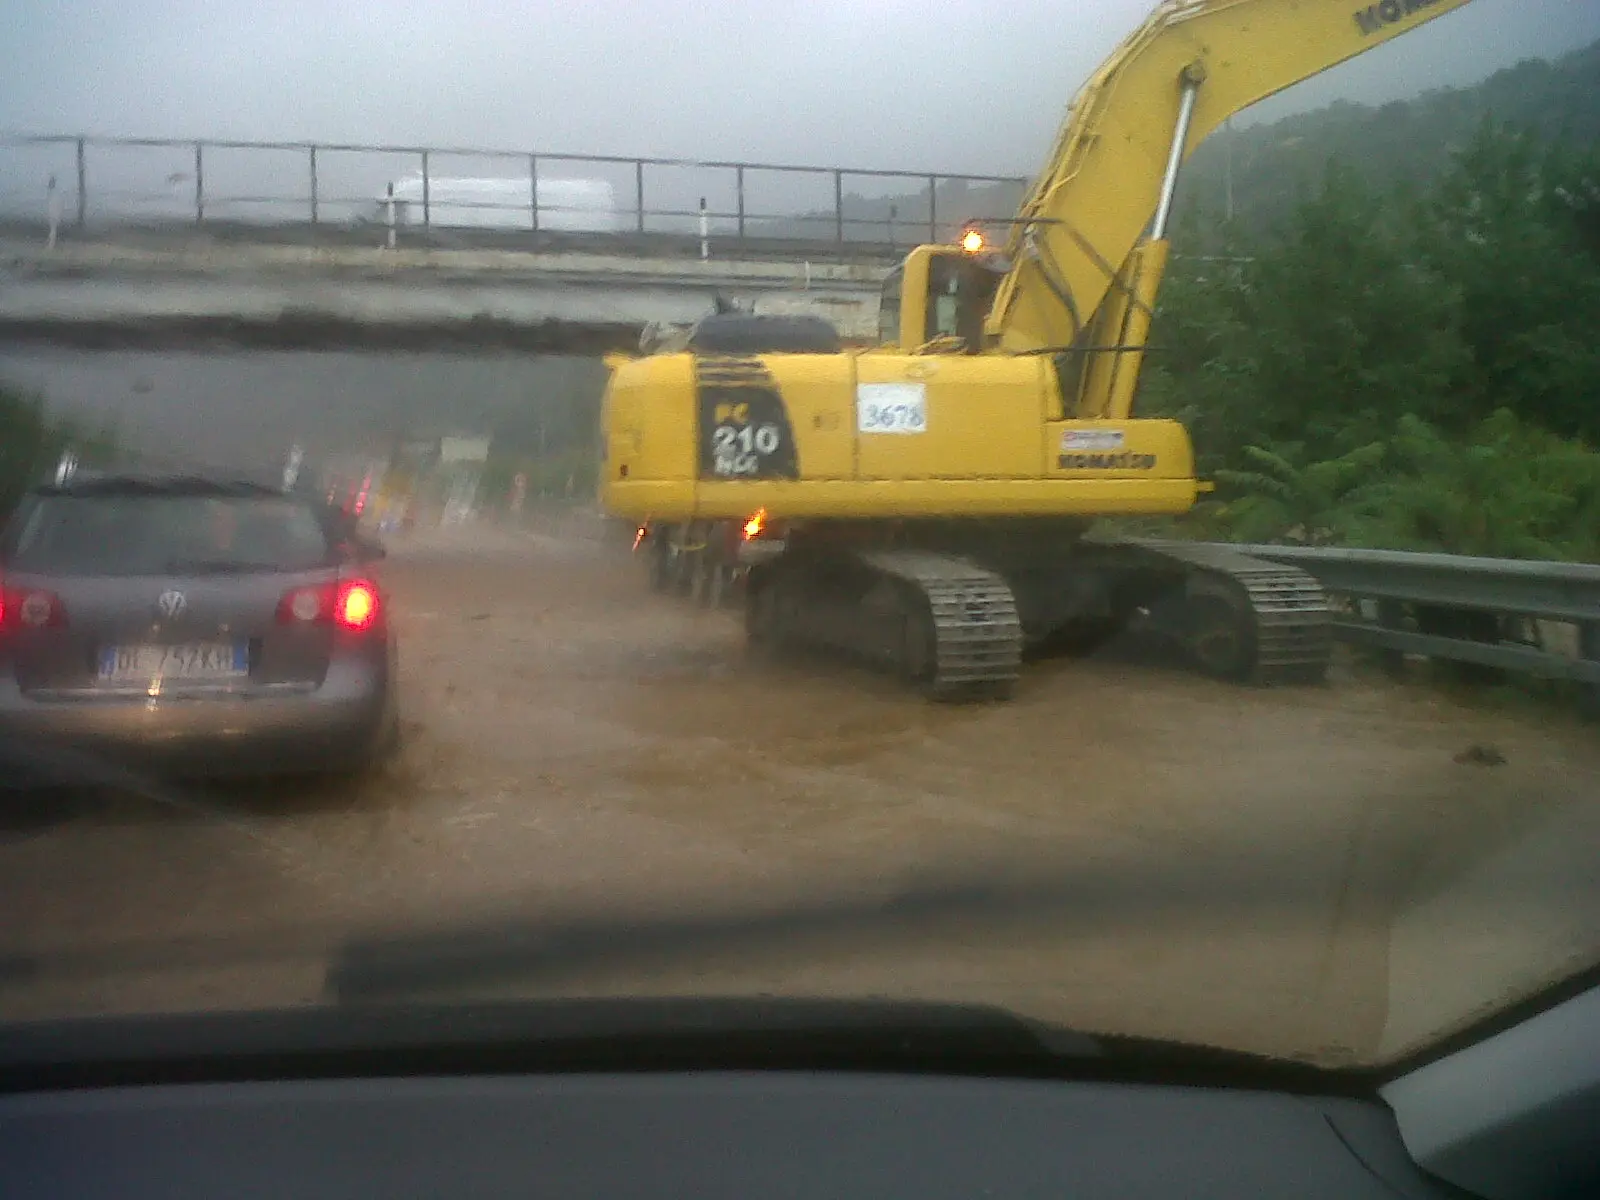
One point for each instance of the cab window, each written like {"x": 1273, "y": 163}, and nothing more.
{"x": 944, "y": 299}
{"x": 959, "y": 294}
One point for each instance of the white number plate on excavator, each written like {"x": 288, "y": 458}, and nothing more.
{"x": 891, "y": 408}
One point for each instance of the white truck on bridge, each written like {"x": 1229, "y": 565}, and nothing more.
{"x": 465, "y": 202}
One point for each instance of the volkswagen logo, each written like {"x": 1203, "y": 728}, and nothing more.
{"x": 171, "y": 604}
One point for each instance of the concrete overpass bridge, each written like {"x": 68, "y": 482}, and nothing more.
{"x": 158, "y": 243}
{"x": 149, "y": 293}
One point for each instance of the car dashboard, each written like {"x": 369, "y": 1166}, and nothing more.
{"x": 710, "y": 1097}
{"x": 703, "y": 1134}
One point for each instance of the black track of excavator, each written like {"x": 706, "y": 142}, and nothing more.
{"x": 944, "y": 623}
{"x": 963, "y": 638}
{"x": 951, "y": 624}
{"x": 1245, "y": 618}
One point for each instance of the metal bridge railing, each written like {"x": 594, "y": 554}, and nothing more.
{"x": 80, "y": 182}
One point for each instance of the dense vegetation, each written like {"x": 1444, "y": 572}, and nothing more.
{"x": 1401, "y": 366}
{"x": 1405, "y": 142}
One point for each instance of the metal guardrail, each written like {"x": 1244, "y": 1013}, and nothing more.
{"x": 74, "y": 182}
{"x": 1458, "y": 607}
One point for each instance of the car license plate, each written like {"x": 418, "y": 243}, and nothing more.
{"x": 202, "y": 662}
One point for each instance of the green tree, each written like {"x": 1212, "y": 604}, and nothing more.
{"x": 1515, "y": 227}
{"x": 1202, "y": 373}
{"x": 1412, "y": 371}
{"x": 1507, "y": 490}
{"x": 1411, "y": 141}
{"x": 1321, "y": 334}
{"x": 1347, "y": 329}
{"x": 1285, "y": 498}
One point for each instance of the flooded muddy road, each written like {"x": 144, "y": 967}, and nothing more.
{"x": 1309, "y": 871}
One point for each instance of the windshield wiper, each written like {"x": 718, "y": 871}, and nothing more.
{"x": 394, "y": 1010}
{"x": 622, "y": 1034}
{"x": 519, "y": 950}
{"x": 611, "y": 1033}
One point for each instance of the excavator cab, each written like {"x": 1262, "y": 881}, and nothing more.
{"x": 935, "y": 302}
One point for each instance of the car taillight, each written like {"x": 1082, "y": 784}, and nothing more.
{"x": 305, "y": 605}
{"x": 350, "y": 604}
{"x": 355, "y": 605}
{"x": 31, "y": 608}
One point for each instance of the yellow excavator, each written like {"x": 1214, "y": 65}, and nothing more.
{"x": 927, "y": 503}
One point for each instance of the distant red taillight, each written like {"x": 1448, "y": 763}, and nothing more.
{"x": 351, "y": 604}
{"x": 31, "y": 608}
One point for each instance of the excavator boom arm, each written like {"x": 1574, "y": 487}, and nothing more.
{"x": 1108, "y": 184}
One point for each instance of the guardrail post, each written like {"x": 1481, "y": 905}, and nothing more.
{"x": 1392, "y": 615}
{"x": 738, "y": 185}
{"x": 199, "y": 185}
{"x": 388, "y": 206}
{"x": 427, "y": 199}
{"x": 638, "y": 190}
{"x": 83, "y": 181}
{"x": 838, "y": 209}
{"x": 705, "y": 231}
{"x": 1589, "y": 649}
{"x": 533, "y": 190}
{"x": 894, "y": 213}
{"x": 933, "y": 209}
{"x": 312, "y": 157}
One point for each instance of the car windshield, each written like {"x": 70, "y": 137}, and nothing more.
{"x": 154, "y": 535}
{"x": 1122, "y": 474}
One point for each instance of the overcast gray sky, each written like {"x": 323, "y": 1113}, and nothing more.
{"x": 952, "y": 85}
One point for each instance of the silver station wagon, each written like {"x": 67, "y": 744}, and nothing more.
{"x": 198, "y": 626}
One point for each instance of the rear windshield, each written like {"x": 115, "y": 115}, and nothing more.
{"x": 157, "y": 535}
